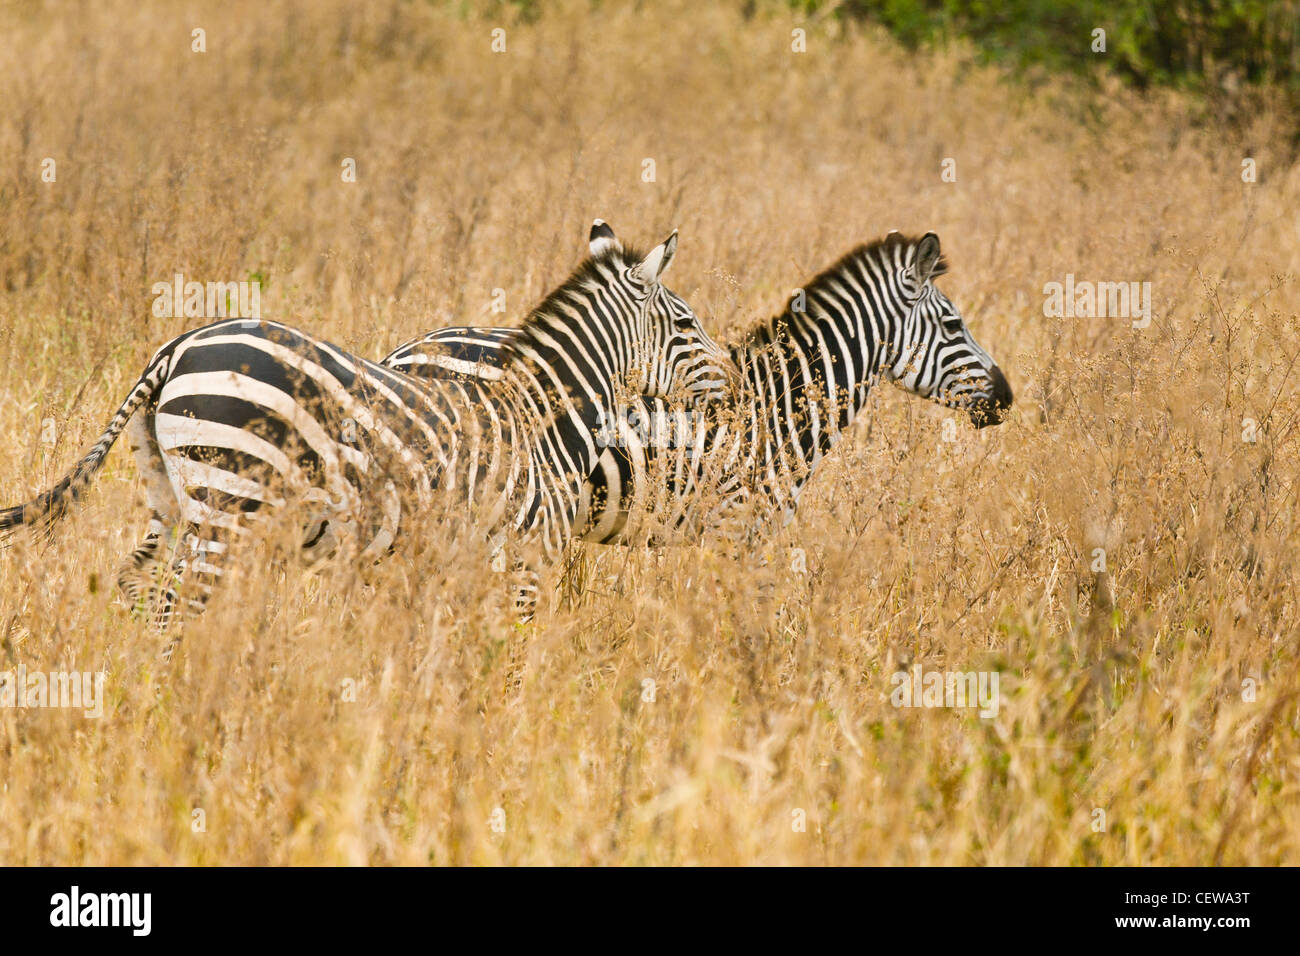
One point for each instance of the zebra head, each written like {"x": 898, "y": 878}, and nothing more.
{"x": 933, "y": 353}
{"x": 672, "y": 354}
{"x": 614, "y": 325}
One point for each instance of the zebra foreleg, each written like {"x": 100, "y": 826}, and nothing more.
{"x": 524, "y": 591}
{"x": 521, "y": 579}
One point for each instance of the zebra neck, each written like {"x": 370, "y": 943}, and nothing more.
{"x": 809, "y": 377}
{"x": 557, "y": 411}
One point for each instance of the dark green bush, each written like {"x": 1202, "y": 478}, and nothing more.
{"x": 1210, "y": 45}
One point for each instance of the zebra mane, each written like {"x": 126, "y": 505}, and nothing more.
{"x": 885, "y": 250}
{"x": 572, "y": 288}
{"x": 893, "y": 250}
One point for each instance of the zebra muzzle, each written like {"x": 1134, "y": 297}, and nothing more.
{"x": 992, "y": 410}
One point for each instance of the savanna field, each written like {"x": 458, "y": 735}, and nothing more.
{"x": 1122, "y": 551}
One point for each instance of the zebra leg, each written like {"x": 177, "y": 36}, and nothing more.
{"x": 329, "y": 529}
{"x": 524, "y": 590}
{"x": 383, "y": 534}
{"x": 320, "y": 530}
{"x": 173, "y": 574}
{"x": 173, "y": 571}
{"x": 199, "y": 572}
{"x": 155, "y": 573}
{"x": 521, "y": 581}
{"x": 146, "y": 577}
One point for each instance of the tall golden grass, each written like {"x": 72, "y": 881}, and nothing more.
{"x": 323, "y": 718}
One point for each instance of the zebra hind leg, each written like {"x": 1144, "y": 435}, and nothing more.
{"x": 148, "y": 577}
{"x": 172, "y": 574}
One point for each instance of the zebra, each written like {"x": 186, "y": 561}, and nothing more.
{"x": 239, "y": 419}
{"x": 805, "y": 376}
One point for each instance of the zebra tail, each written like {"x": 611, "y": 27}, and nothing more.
{"x": 46, "y": 508}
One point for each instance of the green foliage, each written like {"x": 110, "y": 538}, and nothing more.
{"x": 1203, "y": 44}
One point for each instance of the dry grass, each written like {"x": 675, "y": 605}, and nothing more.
{"x": 1120, "y": 691}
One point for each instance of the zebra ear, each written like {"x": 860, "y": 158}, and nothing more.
{"x": 656, "y": 263}
{"x": 602, "y": 238}
{"x": 927, "y": 263}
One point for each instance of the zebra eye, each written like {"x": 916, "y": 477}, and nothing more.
{"x": 952, "y": 325}
{"x": 684, "y": 324}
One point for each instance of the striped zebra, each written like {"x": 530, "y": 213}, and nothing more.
{"x": 805, "y": 376}
{"x": 240, "y": 419}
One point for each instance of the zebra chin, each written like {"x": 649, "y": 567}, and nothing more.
{"x": 991, "y": 408}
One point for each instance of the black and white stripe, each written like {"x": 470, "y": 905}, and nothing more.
{"x": 238, "y": 420}
{"x": 805, "y": 376}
